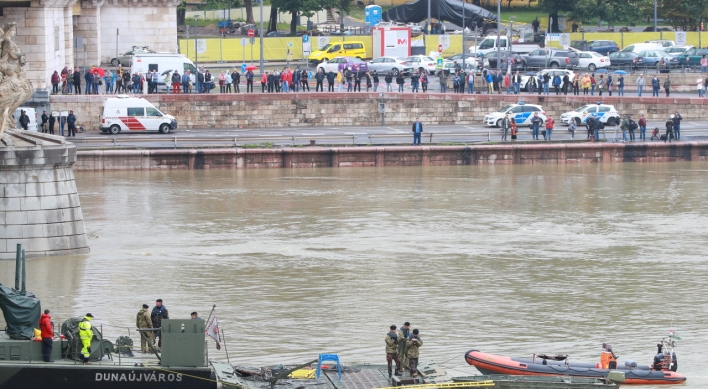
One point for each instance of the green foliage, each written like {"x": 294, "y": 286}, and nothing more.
{"x": 307, "y": 8}
{"x": 684, "y": 14}
{"x": 266, "y": 145}
{"x": 221, "y": 4}
{"x": 610, "y": 11}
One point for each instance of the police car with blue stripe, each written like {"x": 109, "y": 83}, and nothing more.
{"x": 522, "y": 114}
{"x": 606, "y": 113}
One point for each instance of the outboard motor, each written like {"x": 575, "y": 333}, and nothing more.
{"x": 674, "y": 362}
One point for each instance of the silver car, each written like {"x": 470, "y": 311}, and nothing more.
{"x": 396, "y": 66}
{"x": 124, "y": 58}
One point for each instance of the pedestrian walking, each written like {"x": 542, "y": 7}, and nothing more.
{"x": 71, "y": 123}
{"x": 640, "y": 84}
{"x": 52, "y": 121}
{"x": 549, "y": 128}
{"x": 417, "y": 129}
{"x": 669, "y": 129}
{"x": 47, "y": 333}
{"x": 667, "y": 85}
{"x": 677, "y": 125}
{"x": 414, "y": 343}
{"x": 392, "y": 351}
{"x": 505, "y": 127}
{"x": 159, "y": 312}
{"x": 572, "y": 126}
{"x": 642, "y": 128}
{"x": 143, "y": 322}
{"x": 535, "y": 124}
{"x": 400, "y": 81}
{"x": 24, "y": 120}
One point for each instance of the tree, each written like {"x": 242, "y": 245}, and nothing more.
{"x": 611, "y": 11}
{"x": 273, "y": 18}
{"x": 555, "y": 6}
{"x": 222, "y": 5}
{"x": 181, "y": 12}
{"x": 684, "y": 14}
{"x": 305, "y": 8}
{"x": 249, "y": 11}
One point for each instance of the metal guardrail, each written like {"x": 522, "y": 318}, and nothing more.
{"x": 240, "y": 140}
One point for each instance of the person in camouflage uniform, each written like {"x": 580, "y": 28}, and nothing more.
{"x": 159, "y": 312}
{"x": 392, "y": 351}
{"x": 143, "y": 321}
{"x": 403, "y": 334}
{"x": 414, "y": 343}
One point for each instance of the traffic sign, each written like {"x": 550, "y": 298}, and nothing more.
{"x": 439, "y": 63}
{"x": 305, "y": 38}
{"x": 564, "y": 40}
{"x": 680, "y": 38}
{"x": 290, "y": 44}
{"x": 243, "y": 68}
{"x": 244, "y": 41}
{"x": 251, "y": 33}
{"x": 440, "y": 49}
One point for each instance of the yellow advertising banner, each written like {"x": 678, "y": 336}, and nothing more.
{"x": 274, "y": 49}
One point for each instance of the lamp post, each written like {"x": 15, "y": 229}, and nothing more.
{"x": 655, "y": 17}
{"x": 260, "y": 34}
{"x": 498, "y": 34}
{"x": 463, "y": 36}
{"x": 510, "y": 38}
{"x": 196, "y": 53}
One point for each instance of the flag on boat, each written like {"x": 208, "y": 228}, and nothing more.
{"x": 212, "y": 331}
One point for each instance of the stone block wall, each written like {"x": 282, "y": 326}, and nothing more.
{"x": 149, "y": 23}
{"x": 312, "y": 109}
{"x": 39, "y": 203}
{"x": 310, "y": 157}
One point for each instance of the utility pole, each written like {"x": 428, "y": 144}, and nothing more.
{"x": 655, "y": 30}
{"x": 498, "y": 34}
{"x": 464, "y": 52}
{"x": 260, "y": 33}
{"x": 196, "y": 52}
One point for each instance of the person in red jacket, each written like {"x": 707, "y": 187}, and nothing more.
{"x": 549, "y": 127}
{"x": 45, "y": 326}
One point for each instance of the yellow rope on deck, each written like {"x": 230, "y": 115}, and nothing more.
{"x": 445, "y": 385}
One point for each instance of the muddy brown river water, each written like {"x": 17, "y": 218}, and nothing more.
{"x": 509, "y": 259}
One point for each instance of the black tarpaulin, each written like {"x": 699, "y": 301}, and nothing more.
{"x": 445, "y": 10}
{"x": 21, "y": 312}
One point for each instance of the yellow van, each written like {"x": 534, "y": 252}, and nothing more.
{"x": 339, "y": 49}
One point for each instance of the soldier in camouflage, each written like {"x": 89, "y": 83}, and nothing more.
{"x": 392, "y": 351}
{"x": 403, "y": 334}
{"x": 143, "y": 321}
{"x": 414, "y": 343}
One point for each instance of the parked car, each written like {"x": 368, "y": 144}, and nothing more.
{"x": 449, "y": 67}
{"x": 607, "y": 114}
{"x": 275, "y": 34}
{"x": 421, "y": 61}
{"x": 652, "y": 58}
{"x": 551, "y": 58}
{"x": 675, "y": 51}
{"x": 639, "y": 47}
{"x": 624, "y": 59}
{"x": 592, "y": 60}
{"x": 384, "y": 65}
{"x": 516, "y": 61}
{"x": 663, "y": 42}
{"x": 458, "y": 57}
{"x": 694, "y": 56}
{"x": 522, "y": 114}
{"x": 341, "y": 63}
{"x": 124, "y": 58}
{"x": 600, "y": 46}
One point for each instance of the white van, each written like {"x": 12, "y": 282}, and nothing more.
{"x": 32, "y": 117}
{"x": 162, "y": 62}
{"x": 639, "y": 47}
{"x": 125, "y": 113}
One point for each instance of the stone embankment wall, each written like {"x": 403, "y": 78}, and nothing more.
{"x": 310, "y": 157}
{"x": 228, "y": 111}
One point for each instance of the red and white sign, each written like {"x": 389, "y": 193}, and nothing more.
{"x": 212, "y": 331}
{"x": 391, "y": 41}
{"x": 251, "y": 33}
{"x": 440, "y": 49}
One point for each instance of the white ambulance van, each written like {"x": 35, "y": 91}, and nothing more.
{"x": 125, "y": 113}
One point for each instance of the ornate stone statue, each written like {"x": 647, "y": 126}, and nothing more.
{"x": 15, "y": 89}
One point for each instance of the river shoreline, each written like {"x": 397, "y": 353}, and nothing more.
{"x": 311, "y": 157}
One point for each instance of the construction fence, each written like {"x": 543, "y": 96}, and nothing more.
{"x": 245, "y": 50}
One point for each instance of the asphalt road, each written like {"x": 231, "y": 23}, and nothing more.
{"x": 375, "y": 135}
